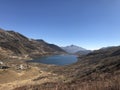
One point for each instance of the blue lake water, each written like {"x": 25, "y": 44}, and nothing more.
{"x": 56, "y": 60}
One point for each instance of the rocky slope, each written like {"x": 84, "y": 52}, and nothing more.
{"x": 15, "y": 45}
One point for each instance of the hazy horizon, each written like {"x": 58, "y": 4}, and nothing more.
{"x": 91, "y": 24}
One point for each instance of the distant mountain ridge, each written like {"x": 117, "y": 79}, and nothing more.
{"x": 73, "y": 49}
{"x": 16, "y": 45}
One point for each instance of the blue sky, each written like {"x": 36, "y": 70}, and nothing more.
{"x": 91, "y": 24}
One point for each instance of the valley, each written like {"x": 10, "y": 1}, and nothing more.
{"x": 98, "y": 70}
{"x": 60, "y": 45}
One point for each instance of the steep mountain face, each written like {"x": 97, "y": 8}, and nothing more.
{"x": 73, "y": 49}
{"x": 15, "y": 45}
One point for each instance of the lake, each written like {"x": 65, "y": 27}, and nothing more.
{"x": 56, "y": 60}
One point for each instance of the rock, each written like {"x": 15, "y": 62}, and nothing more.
{"x": 1, "y": 63}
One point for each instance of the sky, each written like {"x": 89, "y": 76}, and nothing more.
{"x": 91, "y": 24}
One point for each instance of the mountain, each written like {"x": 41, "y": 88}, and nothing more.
{"x": 73, "y": 49}
{"x": 16, "y": 45}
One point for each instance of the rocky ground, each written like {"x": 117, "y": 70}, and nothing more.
{"x": 29, "y": 74}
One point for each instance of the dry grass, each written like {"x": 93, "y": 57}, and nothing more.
{"x": 113, "y": 83}
{"x": 109, "y": 84}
